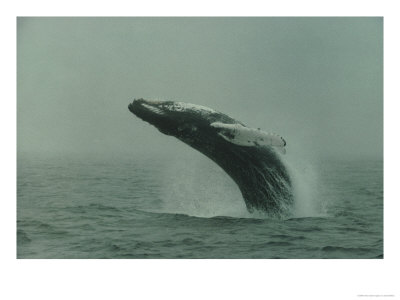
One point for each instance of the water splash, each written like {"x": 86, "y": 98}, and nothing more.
{"x": 196, "y": 186}
{"x": 306, "y": 188}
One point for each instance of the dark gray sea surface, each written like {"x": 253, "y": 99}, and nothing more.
{"x": 132, "y": 206}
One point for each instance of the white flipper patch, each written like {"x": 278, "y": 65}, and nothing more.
{"x": 244, "y": 136}
{"x": 182, "y": 106}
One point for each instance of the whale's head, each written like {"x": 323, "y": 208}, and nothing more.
{"x": 179, "y": 119}
{"x": 200, "y": 126}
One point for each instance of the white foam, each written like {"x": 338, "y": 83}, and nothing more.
{"x": 306, "y": 189}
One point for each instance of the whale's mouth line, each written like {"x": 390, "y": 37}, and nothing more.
{"x": 153, "y": 109}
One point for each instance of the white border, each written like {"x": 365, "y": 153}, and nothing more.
{"x": 198, "y": 279}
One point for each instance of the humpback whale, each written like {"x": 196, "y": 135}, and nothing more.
{"x": 251, "y": 157}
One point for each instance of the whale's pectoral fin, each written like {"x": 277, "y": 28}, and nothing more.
{"x": 227, "y": 135}
{"x": 278, "y": 148}
{"x": 243, "y": 136}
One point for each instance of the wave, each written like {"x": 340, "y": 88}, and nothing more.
{"x": 359, "y": 250}
{"x": 22, "y": 237}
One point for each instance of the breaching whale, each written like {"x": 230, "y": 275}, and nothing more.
{"x": 249, "y": 156}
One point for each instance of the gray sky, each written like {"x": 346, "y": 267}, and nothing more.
{"x": 315, "y": 81}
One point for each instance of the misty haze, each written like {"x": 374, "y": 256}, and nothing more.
{"x": 98, "y": 180}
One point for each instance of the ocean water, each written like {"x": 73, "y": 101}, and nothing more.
{"x": 81, "y": 206}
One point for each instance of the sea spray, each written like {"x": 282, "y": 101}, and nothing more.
{"x": 306, "y": 188}
{"x": 196, "y": 186}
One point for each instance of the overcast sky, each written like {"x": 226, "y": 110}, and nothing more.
{"x": 315, "y": 81}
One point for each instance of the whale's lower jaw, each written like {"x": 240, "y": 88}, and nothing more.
{"x": 257, "y": 170}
